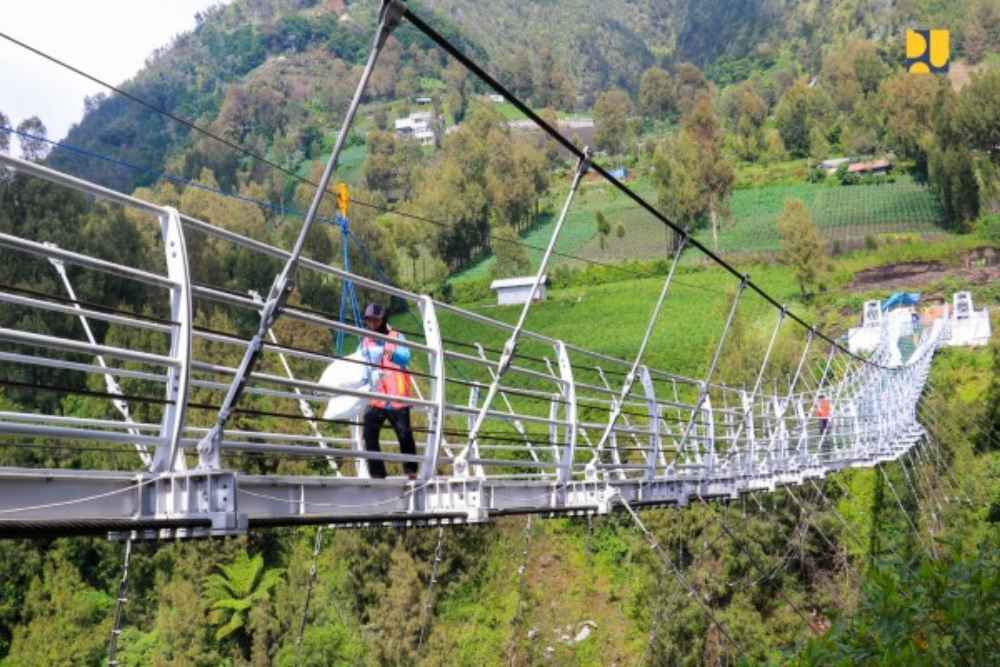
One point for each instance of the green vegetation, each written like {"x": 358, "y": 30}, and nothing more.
{"x": 721, "y": 112}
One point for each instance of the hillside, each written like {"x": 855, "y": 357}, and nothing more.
{"x": 297, "y": 49}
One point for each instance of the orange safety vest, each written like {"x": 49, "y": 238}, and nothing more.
{"x": 824, "y": 409}
{"x": 393, "y": 380}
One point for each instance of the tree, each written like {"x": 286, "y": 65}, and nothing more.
{"x": 33, "y": 147}
{"x": 456, "y": 98}
{"x": 981, "y": 31}
{"x": 712, "y": 169}
{"x": 4, "y": 135}
{"x": 656, "y": 93}
{"x": 678, "y": 187}
{"x": 242, "y": 584}
{"x": 819, "y": 147}
{"x": 511, "y": 257}
{"x": 798, "y": 111}
{"x": 745, "y": 112}
{"x": 977, "y": 115}
{"x": 863, "y": 131}
{"x": 603, "y": 229}
{"x": 611, "y": 111}
{"x": 690, "y": 81}
{"x": 800, "y": 244}
{"x": 950, "y": 170}
{"x": 908, "y": 102}
{"x": 519, "y": 72}
{"x": 553, "y": 87}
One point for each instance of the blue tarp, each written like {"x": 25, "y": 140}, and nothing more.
{"x": 619, "y": 173}
{"x": 901, "y": 299}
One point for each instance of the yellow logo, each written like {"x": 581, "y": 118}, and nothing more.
{"x": 927, "y": 51}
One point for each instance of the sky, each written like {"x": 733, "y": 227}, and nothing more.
{"x": 109, "y": 39}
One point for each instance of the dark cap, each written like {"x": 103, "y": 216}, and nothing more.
{"x": 375, "y": 310}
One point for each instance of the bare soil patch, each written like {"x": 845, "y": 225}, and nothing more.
{"x": 978, "y": 267}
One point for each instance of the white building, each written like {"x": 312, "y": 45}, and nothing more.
{"x": 418, "y": 126}
{"x": 512, "y": 291}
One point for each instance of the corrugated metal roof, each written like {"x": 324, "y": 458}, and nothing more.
{"x": 523, "y": 281}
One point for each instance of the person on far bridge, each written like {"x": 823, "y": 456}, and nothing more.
{"x": 824, "y": 410}
{"x": 389, "y": 361}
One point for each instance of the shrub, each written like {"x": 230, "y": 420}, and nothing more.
{"x": 870, "y": 242}
{"x": 988, "y": 227}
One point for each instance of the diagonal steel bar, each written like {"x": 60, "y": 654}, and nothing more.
{"x": 511, "y": 345}
{"x": 208, "y": 447}
{"x": 630, "y": 378}
{"x": 703, "y": 391}
{"x": 109, "y": 380}
{"x": 756, "y": 386}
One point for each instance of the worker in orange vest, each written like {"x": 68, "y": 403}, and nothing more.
{"x": 824, "y": 409}
{"x": 387, "y": 368}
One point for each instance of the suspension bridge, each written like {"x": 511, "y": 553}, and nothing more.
{"x": 539, "y": 426}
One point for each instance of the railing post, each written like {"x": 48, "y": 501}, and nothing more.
{"x": 655, "y": 453}
{"x": 435, "y": 434}
{"x": 565, "y": 474}
{"x": 181, "y": 311}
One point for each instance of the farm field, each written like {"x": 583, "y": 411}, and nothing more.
{"x": 841, "y": 213}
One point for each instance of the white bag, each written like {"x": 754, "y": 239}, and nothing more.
{"x": 347, "y": 373}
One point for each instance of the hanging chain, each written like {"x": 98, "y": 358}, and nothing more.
{"x": 429, "y": 606}
{"x": 521, "y": 572}
{"x": 317, "y": 546}
{"x": 116, "y": 630}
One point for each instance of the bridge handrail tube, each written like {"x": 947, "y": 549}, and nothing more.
{"x": 49, "y": 362}
{"x": 278, "y": 253}
{"x": 439, "y": 398}
{"x": 569, "y": 412}
{"x": 78, "y": 311}
{"x": 313, "y": 386}
{"x": 313, "y": 452}
{"x": 302, "y": 316}
{"x": 70, "y": 257}
{"x": 14, "y": 428}
{"x": 76, "y": 421}
{"x": 568, "y": 145}
{"x": 178, "y": 385}
{"x": 80, "y": 185}
{"x": 71, "y": 345}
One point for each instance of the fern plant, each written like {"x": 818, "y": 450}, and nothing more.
{"x": 235, "y": 590}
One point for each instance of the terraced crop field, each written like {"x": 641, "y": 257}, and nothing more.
{"x": 841, "y": 213}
